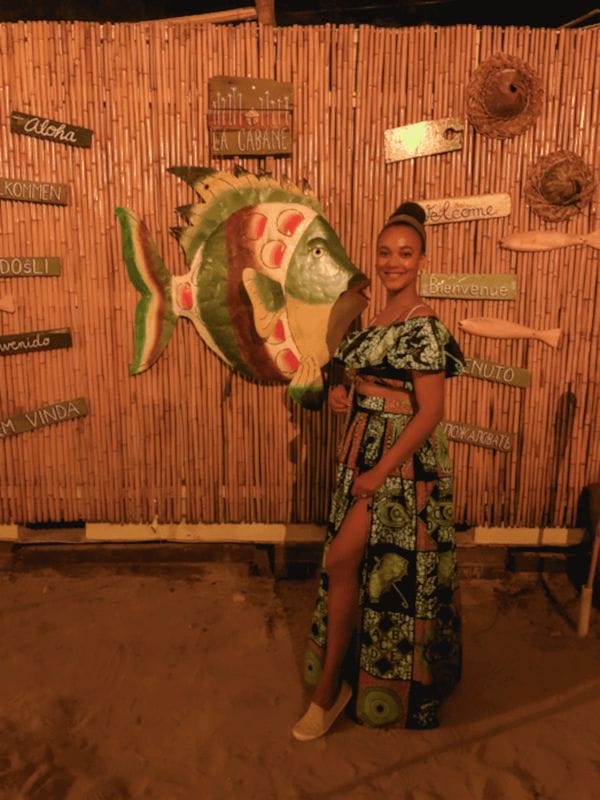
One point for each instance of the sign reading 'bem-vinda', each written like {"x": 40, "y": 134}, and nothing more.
{"x": 467, "y": 209}
{"x": 29, "y": 266}
{"x": 498, "y": 373}
{"x": 469, "y": 287}
{"x": 39, "y": 417}
{"x": 482, "y": 437}
{"x": 249, "y": 116}
{"x": 43, "y": 128}
{"x": 34, "y": 341}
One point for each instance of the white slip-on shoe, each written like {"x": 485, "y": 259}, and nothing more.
{"x": 317, "y": 720}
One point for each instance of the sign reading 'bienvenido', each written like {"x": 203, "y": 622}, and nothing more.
{"x": 34, "y": 191}
{"x": 43, "y": 128}
{"x": 39, "y": 417}
{"x": 34, "y": 341}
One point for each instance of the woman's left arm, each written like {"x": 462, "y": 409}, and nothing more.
{"x": 429, "y": 395}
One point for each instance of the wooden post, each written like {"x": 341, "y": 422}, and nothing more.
{"x": 266, "y": 11}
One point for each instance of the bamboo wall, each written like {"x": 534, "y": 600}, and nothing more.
{"x": 188, "y": 440}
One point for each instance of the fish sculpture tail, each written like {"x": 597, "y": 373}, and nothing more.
{"x": 551, "y": 336}
{"x": 155, "y": 317}
{"x": 593, "y": 239}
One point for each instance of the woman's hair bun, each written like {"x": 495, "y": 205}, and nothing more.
{"x": 412, "y": 209}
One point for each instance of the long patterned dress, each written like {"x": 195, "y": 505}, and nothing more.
{"x": 406, "y": 656}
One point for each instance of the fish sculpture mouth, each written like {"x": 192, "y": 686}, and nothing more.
{"x": 346, "y": 308}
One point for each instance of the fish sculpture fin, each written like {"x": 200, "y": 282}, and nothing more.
{"x": 266, "y": 298}
{"x": 593, "y": 239}
{"x": 551, "y": 336}
{"x": 155, "y": 317}
{"x": 306, "y": 387}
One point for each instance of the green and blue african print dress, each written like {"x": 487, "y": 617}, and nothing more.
{"x": 407, "y": 654}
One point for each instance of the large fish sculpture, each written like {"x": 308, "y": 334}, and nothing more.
{"x": 539, "y": 241}
{"x": 502, "y": 329}
{"x": 270, "y": 288}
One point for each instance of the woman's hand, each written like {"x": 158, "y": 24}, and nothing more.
{"x": 366, "y": 484}
{"x": 339, "y": 399}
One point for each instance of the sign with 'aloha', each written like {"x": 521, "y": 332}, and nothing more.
{"x": 43, "y": 128}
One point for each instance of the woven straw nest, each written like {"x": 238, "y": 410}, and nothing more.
{"x": 558, "y": 185}
{"x": 504, "y": 96}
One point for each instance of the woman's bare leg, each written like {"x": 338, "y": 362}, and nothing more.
{"x": 342, "y": 564}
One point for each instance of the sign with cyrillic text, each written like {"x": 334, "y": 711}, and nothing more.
{"x": 249, "y": 116}
{"x": 43, "y": 128}
{"x": 466, "y": 209}
{"x": 34, "y": 341}
{"x": 40, "y": 417}
{"x": 469, "y": 286}
{"x": 29, "y": 266}
{"x": 498, "y": 373}
{"x": 481, "y": 437}
{"x": 34, "y": 191}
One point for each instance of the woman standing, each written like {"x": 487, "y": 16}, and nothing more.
{"x": 386, "y": 627}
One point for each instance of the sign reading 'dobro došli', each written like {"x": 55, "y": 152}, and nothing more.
{"x": 29, "y": 266}
{"x": 34, "y": 191}
{"x": 249, "y": 117}
{"x": 482, "y": 437}
{"x": 34, "y": 341}
{"x": 467, "y": 209}
{"x": 43, "y": 128}
{"x": 497, "y": 373}
{"x": 423, "y": 139}
{"x": 469, "y": 287}
{"x": 39, "y": 417}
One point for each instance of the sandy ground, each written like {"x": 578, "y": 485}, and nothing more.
{"x": 182, "y": 683}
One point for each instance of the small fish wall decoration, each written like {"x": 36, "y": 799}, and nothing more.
{"x": 502, "y": 329}
{"x": 7, "y": 304}
{"x": 270, "y": 288}
{"x": 539, "y": 241}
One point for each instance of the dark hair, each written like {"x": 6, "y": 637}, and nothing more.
{"x": 411, "y": 214}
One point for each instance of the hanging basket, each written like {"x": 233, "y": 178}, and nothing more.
{"x": 559, "y": 185}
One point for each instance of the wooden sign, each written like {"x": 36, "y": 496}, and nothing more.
{"x": 423, "y": 139}
{"x": 498, "y": 373}
{"x": 39, "y": 417}
{"x": 34, "y": 192}
{"x": 43, "y": 128}
{"x": 29, "y": 266}
{"x": 482, "y": 437}
{"x": 249, "y": 116}
{"x": 34, "y": 341}
{"x": 466, "y": 209}
{"x": 469, "y": 287}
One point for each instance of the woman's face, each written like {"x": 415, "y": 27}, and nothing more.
{"x": 399, "y": 257}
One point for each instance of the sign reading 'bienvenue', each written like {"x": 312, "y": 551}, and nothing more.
{"x": 39, "y": 417}
{"x": 469, "y": 287}
{"x": 50, "y": 129}
{"x": 467, "y": 209}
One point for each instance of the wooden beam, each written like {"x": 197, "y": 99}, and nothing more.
{"x": 245, "y": 14}
{"x": 266, "y": 11}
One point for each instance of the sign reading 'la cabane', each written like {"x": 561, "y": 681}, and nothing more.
{"x": 249, "y": 117}
{"x": 50, "y": 129}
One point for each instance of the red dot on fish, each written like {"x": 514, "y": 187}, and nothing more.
{"x": 272, "y": 254}
{"x": 255, "y": 225}
{"x": 287, "y": 361}
{"x": 278, "y": 334}
{"x": 288, "y": 221}
{"x": 185, "y": 296}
